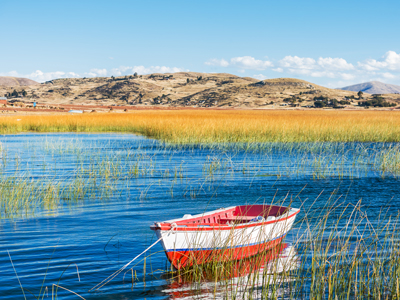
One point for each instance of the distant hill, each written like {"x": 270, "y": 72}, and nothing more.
{"x": 15, "y": 81}
{"x": 182, "y": 89}
{"x": 374, "y": 87}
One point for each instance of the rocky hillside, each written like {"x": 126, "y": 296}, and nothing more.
{"x": 374, "y": 87}
{"x": 6, "y": 81}
{"x": 179, "y": 90}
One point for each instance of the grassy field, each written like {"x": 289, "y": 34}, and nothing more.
{"x": 213, "y": 126}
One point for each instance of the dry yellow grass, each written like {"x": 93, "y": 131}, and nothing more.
{"x": 211, "y": 126}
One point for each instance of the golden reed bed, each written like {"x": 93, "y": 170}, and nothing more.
{"x": 210, "y": 126}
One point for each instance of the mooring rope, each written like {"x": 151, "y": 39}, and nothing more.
{"x": 115, "y": 274}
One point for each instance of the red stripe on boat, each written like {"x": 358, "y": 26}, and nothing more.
{"x": 181, "y": 259}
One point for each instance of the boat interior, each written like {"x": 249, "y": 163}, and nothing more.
{"x": 236, "y": 215}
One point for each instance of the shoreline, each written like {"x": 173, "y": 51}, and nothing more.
{"x": 64, "y": 109}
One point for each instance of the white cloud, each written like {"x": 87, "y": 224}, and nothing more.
{"x": 347, "y": 76}
{"x": 248, "y": 62}
{"x": 323, "y": 64}
{"x": 46, "y": 76}
{"x": 390, "y": 61}
{"x": 12, "y": 73}
{"x": 242, "y": 62}
{"x": 217, "y": 62}
{"x": 98, "y": 72}
{"x": 299, "y": 71}
{"x": 295, "y": 62}
{"x": 387, "y": 68}
{"x": 388, "y": 75}
{"x": 157, "y": 69}
{"x": 324, "y": 67}
{"x": 279, "y": 70}
{"x": 260, "y": 76}
{"x": 125, "y": 70}
{"x": 334, "y": 64}
{"x": 322, "y": 74}
{"x": 370, "y": 65}
{"x": 41, "y": 76}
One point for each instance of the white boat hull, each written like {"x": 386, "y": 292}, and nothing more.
{"x": 185, "y": 245}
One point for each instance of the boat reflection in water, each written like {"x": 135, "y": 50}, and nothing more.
{"x": 256, "y": 277}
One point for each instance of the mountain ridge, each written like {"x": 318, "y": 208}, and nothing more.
{"x": 184, "y": 89}
{"x": 16, "y": 81}
{"x": 373, "y": 87}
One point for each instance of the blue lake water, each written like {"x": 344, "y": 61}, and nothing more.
{"x": 112, "y": 187}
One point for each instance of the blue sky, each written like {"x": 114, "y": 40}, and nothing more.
{"x": 332, "y": 43}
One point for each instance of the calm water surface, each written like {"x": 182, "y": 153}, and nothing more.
{"x": 142, "y": 181}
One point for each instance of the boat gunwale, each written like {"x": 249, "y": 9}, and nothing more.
{"x": 168, "y": 225}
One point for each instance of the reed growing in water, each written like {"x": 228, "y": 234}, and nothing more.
{"x": 35, "y": 177}
{"x": 224, "y": 126}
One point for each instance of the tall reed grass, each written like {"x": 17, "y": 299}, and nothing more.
{"x": 54, "y": 172}
{"x": 196, "y": 127}
{"x": 22, "y": 197}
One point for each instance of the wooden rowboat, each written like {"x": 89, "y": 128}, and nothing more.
{"x": 224, "y": 234}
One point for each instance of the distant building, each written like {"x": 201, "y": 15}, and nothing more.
{"x": 3, "y": 100}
